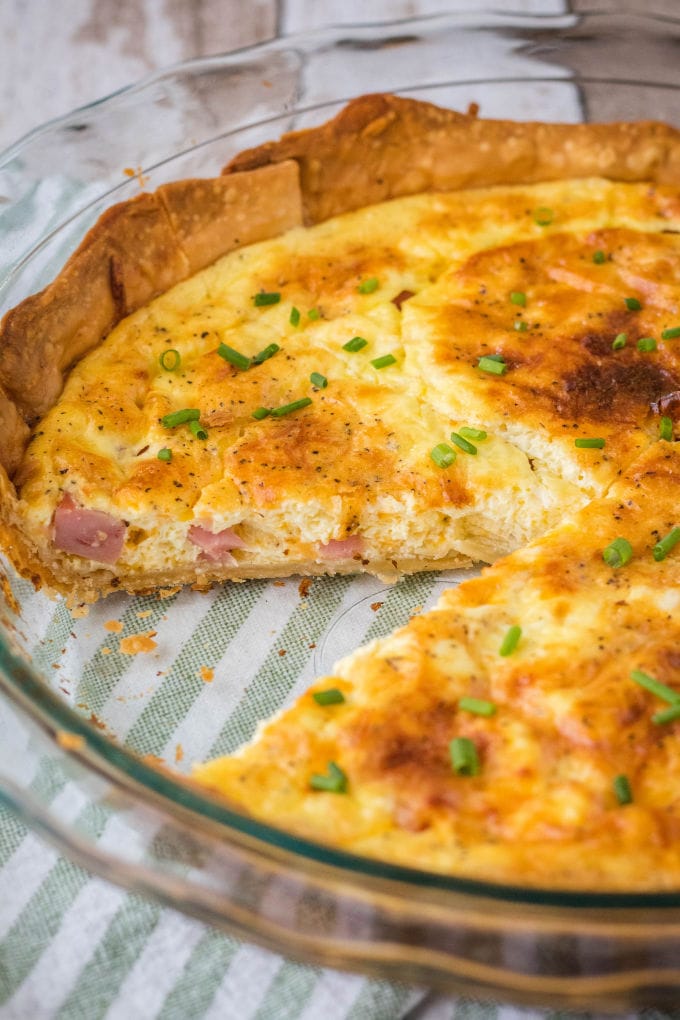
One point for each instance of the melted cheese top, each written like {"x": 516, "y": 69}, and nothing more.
{"x": 356, "y": 461}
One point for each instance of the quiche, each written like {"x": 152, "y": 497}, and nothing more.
{"x": 407, "y": 340}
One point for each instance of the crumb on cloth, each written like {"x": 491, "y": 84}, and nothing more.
{"x": 207, "y": 674}
{"x": 136, "y": 644}
{"x": 113, "y": 626}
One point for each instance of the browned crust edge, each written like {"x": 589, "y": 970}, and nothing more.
{"x": 383, "y": 146}
{"x": 378, "y": 147}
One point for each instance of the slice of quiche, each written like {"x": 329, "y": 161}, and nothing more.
{"x": 523, "y": 731}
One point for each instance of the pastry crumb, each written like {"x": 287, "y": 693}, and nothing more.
{"x": 105, "y": 650}
{"x": 113, "y": 626}
{"x": 79, "y": 612}
{"x": 135, "y": 644}
{"x": 207, "y": 674}
{"x": 145, "y": 613}
{"x": 304, "y": 586}
{"x": 70, "y": 741}
{"x": 375, "y": 606}
{"x": 179, "y": 753}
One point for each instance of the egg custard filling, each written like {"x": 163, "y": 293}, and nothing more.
{"x": 423, "y": 383}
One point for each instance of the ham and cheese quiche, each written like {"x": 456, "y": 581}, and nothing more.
{"x": 409, "y": 339}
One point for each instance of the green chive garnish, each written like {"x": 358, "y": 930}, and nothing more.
{"x": 165, "y": 454}
{"x": 646, "y": 343}
{"x": 543, "y": 216}
{"x": 357, "y": 343}
{"x": 511, "y": 640}
{"x": 470, "y": 433}
{"x": 261, "y": 412}
{"x": 332, "y": 696}
{"x": 316, "y": 379}
{"x": 655, "y": 687}
{"x": 443, "y": 455}
{"x": 335, "y": 780}
{"x": 197, "y": 431}
{"x": 622, "y": 789}
{"x": 266, "y": 298}
{"x": 313, "y": 314}
{"x": 667, "y": 715}
{"x": 175, "y": 418}
{"x": 632, "y": 304}
{"x": 618, "y": 553}
{"x": 671, "y": 334}
{"x": 266, "y": 354}
{"x": 666, "y": 428}
{"x": 368, "y": 286}
{"x": 296, "y": 405}
{"x": 492, "y": 363}
{"x": 666, "y": 544}
{"x": 234, "y": 358}
{"x": 520, "y": 325}
{"x": 599, "y": 257}
{"x": 477, "y": 706}
{"x": 464, "y": 756}
{"x": 518, "y": 297}
{"x": 384, "y": 361}
{"x": 619, "y": 341}
{"x": 589, "y": 444}
{"x": 294, "y": 318}
{"x": 462, "y": 443}
{"x": 170, "y": 360}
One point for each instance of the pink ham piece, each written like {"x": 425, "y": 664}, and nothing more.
{"x": 216, "y": 546}
{"x": 88, "y": 533}
{"x": 342, "y": 548}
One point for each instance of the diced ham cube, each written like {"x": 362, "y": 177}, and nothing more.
{"x": 216, "y": 546}
{"x": 342, "y": 548}
{"x": 91, "y": 534}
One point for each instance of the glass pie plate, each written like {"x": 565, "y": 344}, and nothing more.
{"x": 93, "y": 741}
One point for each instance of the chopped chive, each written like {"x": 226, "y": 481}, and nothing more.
{"x": 296, "y": 405}
{"x": 666, "y": 544}
{"x": 667, "y": 715}
{"x": 196, "y": 430}
{"x": 335, "y": 780}
{"x": 655, "y": 687}
{"x": 510, "y": 641}
{"x": 165, "y": 454}
{"x": 462, "y": 443}
{"x": 332, "y": 696}
{"x": 175, "y": 418}
{"x": 384, "y": 361}
{"x": 632, "y": 304}
{"x": 316, "y": 379}
{"x": 266, "y": 298}
{"x": 619, "y": 341}
{"x": 357, "y": 343}
{"x": 234, "y": 358}
{"x": 470, "y": 433}
{"x": 477, "y": 706}
{"x": 589, "y": 444}
{"x": 313, "y": 314}
{"x": 670, "y": 334}
{"x": 261, "y": 412}
{"x": 493, "y": 364}
{"x": 518, "y": 297}
{"x": 543, "y": 216}
{"x": 266, "y": 354}
{"x": 443, "y": 455}
{"x": 666, "y": 428}
{"x": 599, "y": 257}
{"x": 520, "y": 325}
{"x": 368, "y": 286}
{"x": 294, "y": 317}
{"x": 646, "y": 343}
{"x": 618, "y": 553}
{"x": 464, "y": 756}
{"x": 622, "y": 789}
{"x": 170, "y": 360}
